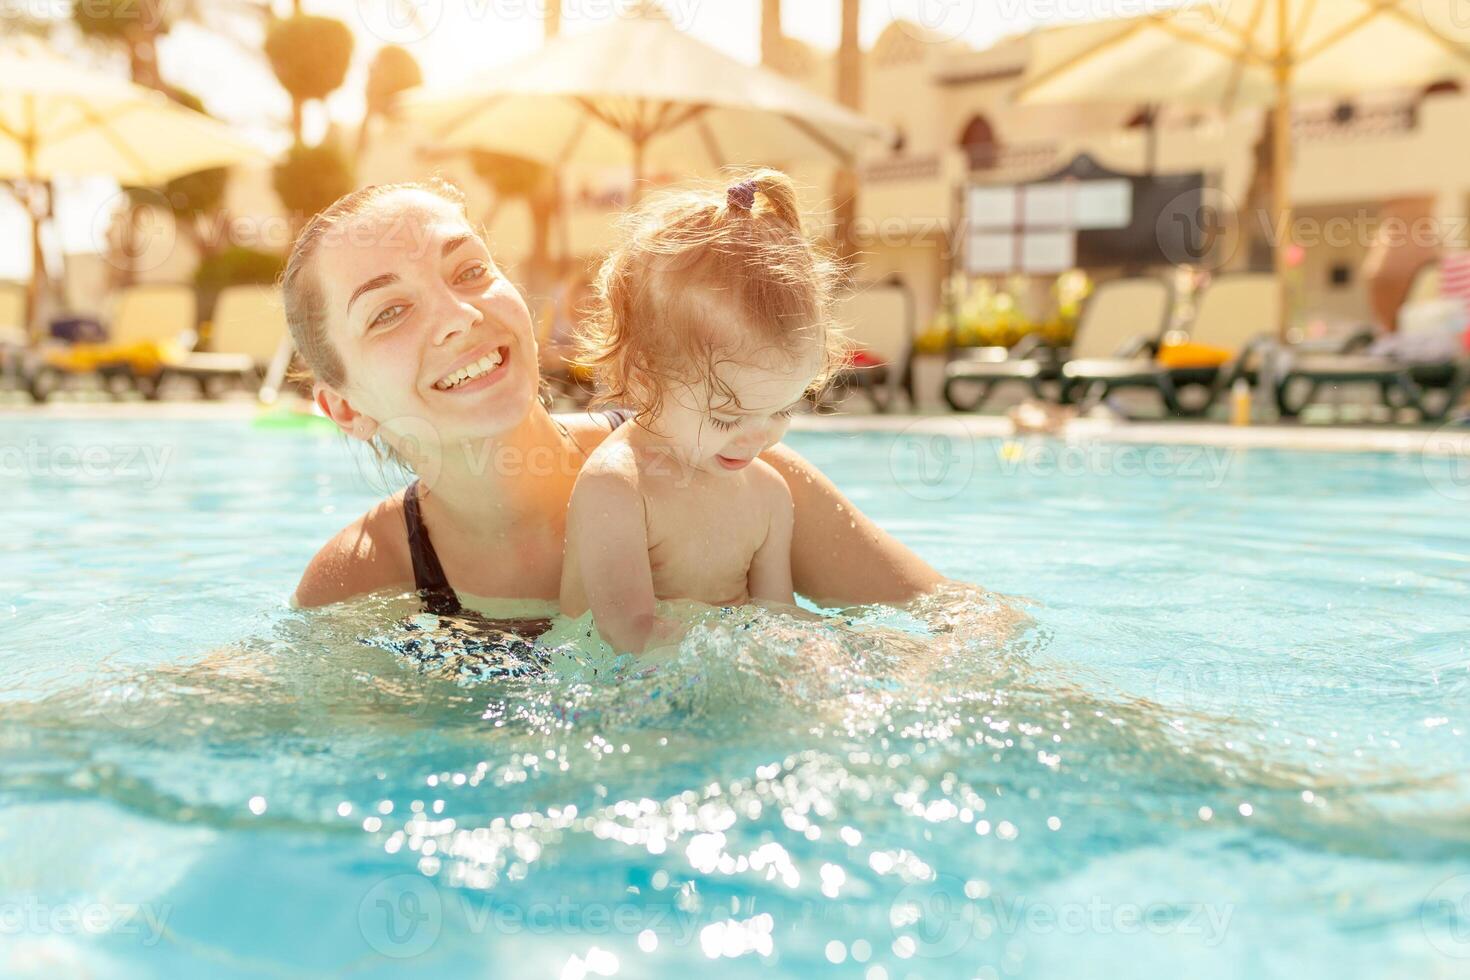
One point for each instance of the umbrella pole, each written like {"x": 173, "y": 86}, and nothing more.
{"x": 637, "y": 192}
{"x": 38, "y": 267}
{"x": 1280, "y": 196}
{"x": 1280, "y": 168}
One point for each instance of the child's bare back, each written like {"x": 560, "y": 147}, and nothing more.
{"x": 703, "y": 533}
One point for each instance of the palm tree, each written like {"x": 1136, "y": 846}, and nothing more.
{"x": 138, "y": 24}
{"x": 850, "y": 94}
{"x": 770, "y": 32}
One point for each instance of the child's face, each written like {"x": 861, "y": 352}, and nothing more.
{"x": 721, "y": 433}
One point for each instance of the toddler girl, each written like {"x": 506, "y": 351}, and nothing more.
{"x": 713, "y": 328}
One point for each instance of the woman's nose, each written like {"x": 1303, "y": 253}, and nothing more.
{"x": 454, "y": 315}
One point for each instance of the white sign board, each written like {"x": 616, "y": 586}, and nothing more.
{"x": 990, "y": 253}
{"x": 992, "y": 207}
{"x": 1048, "y": 251}
{"x": 1100, "y": 204}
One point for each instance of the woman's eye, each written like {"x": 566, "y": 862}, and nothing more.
{"x": 473, "y": 273}
{"x": 388, "y": 315}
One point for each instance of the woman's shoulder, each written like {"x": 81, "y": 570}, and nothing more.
{"x": 368, "y": 555}
{"x": 589, "y": 429}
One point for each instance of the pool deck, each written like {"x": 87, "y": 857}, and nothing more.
{"x": 1445, "y": 440}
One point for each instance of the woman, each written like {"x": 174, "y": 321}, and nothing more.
{"x": 421, "y": 347}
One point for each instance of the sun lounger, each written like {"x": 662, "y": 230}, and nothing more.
{"x": 1421, "y": 366}
{"x": 1234, "y": 314}
{"x": 247, "y": 331}
{"x": 152, "y": 326}
{"x": 1121, "y": 318}
{"x": 13, "y": 335}
{"x": 878, "y": 318}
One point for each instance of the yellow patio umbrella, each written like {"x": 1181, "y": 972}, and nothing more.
{"x": 639, "y": 92}
{"x": 57, "y": 118}
{"x": 1257, "y": 52}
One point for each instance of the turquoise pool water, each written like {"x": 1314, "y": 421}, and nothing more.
{"x": 1232, "y": 740}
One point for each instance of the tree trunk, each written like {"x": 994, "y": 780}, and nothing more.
{"x": 850, "y": 94}
{"x": 552, "y": 24}
{"x": 771, "y": 33}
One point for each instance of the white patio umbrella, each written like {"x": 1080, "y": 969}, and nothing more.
{"x": 57, "y": 118}
{"x": 638, "y": 91}
{"x": 1254, "y": 52}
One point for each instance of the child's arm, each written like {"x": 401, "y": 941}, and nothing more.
{"x": 608, "y": 538}
{"x": 770, "y": 569}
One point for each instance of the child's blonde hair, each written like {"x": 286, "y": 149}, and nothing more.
{"x": 687, "y": 260}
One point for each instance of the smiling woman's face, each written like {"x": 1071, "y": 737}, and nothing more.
{"x": 428, "y": 330}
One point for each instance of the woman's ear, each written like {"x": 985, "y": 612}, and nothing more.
{"x": 337, "y": 408}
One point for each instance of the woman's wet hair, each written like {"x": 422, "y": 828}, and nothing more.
{"x": 704, "y": 276}
{"x": 301, "y": 289}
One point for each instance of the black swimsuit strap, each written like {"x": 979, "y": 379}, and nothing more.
{"x": 428, "y": 574}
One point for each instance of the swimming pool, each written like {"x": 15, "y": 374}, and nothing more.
{"x": 1232, "y": 742}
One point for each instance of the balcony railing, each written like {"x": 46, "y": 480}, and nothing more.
{"x": 1357, "y": 123}
{"x": 900, "y": 169}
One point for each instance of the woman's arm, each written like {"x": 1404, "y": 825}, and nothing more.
{"x": 838, "y": 555}
{"x": 368, "y": 555}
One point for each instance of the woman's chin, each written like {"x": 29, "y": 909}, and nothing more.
{"x": 487, "y": 412}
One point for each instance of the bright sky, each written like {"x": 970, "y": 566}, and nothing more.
{"x": 456, "y": 39}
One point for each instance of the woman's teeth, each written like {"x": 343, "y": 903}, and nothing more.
{"x": 470, "y": 372}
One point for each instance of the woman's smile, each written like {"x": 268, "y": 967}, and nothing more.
{"x": 475, "y": 371}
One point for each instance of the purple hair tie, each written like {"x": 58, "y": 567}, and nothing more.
{"x": 742, "y": 195}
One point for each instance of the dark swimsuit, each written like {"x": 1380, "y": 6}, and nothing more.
{"x": 428, "y": 575}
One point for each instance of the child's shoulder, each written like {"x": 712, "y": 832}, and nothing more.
{"x": 609, "y": 475}
{"x": 768, "y": 483}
